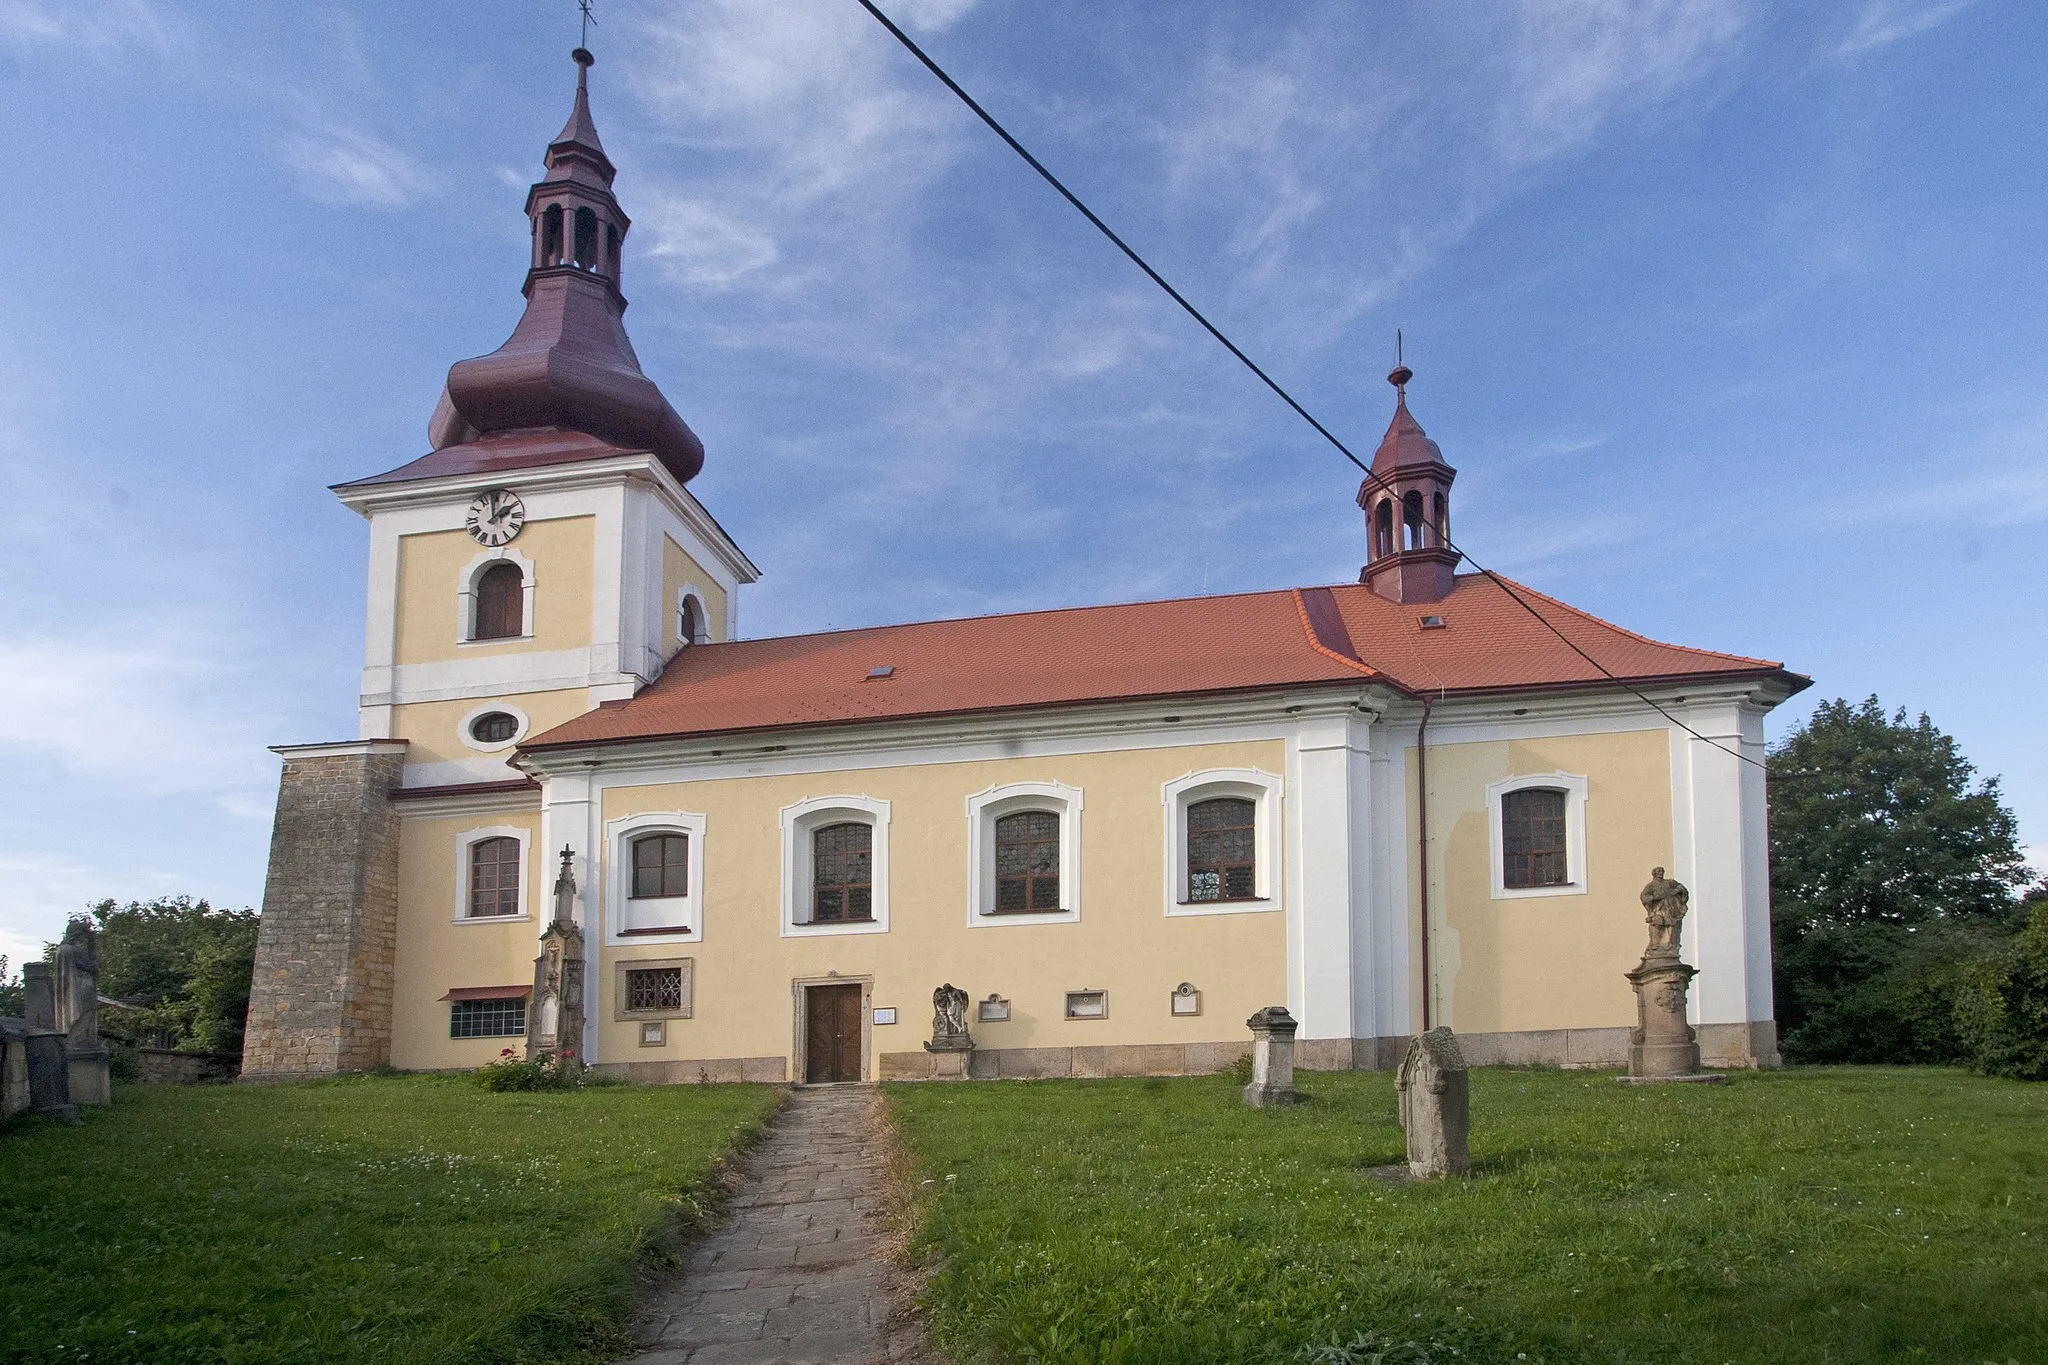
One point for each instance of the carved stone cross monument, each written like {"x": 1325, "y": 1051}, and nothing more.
{"x": 1436, "y": 1105}
{"x": 1663, "y": 1046}
{"x": 554, "y": 1017}
{"x": 1272, "y": 1058}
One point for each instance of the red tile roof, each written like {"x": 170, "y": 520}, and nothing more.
{"x": 1187, "y": 647}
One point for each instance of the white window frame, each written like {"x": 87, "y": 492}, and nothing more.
{"x": 684, "y": 595}
{"x": 984, "y": 808}
{"x": 621, "y": 909}
{"x": 1264, "y": 791}
{"x": 470, "y": 837}
{"x": 470, "y": 742}
{"x": 1573, "y": 785}
{"x": 465, "y": 615}
{"x": 805, "y": 818}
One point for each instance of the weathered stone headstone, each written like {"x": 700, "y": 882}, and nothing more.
{"x": 49, "y": 1079}
{"x": 1272, "y": 1058}
{"x": 554, "y": 1017}
{"x": 76, "y": 978}
{"x": 1436, "y": 1106}
{"x": 1663, "y": 1046}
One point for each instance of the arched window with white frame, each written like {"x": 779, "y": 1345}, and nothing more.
{"x": 495, "y": 598}
{"x": 835, "y": 866}
{"x": 1024, "y": 854}
{"x": 655, "y": 878}
{"x": 1222, "y": 842}
{"x": 1538, "y": 835}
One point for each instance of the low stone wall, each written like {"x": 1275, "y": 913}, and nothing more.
{"x": 166, "y": 1066}
{"x": 714, "y": 1070}
{"x": 1045, "y": 1063}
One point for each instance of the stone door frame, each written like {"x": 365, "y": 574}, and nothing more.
{"x": 800, "y": 999}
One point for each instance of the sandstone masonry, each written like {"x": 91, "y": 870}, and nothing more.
{"x": 320, "y": 1002}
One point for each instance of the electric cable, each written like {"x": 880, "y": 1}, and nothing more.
{"x": 1235, "y": 350}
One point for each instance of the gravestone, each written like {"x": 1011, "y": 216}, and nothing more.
{"x": 1663, "y": 1046}
{"x": 76, "y": 980}
{"x": 49, "y": 1079}
{"x": 1436, "y": 1106}
{"x": 1272, "y": 1058}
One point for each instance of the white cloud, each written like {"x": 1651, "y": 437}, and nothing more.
{"x": 696, "y": 244}
{"x": 1885, "y": 22}
{"x": 100, "y": 29}
{"x": 150, "y": 714}
{"x": 342, "y": 166}
{"x": 930, "y": 15}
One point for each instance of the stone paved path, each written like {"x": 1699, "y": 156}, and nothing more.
{"x": 801, "y": 1272}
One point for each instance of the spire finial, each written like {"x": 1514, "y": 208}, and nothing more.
{"x": 588, "y": 20}
{"x": 1400, "y": 374}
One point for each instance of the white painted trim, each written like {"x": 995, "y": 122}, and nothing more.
{"x": 468, "y": 837}
{"x": 1264, "y": 790}
{"x": 620, "y": 907}
{"x": 468, "y": 804}
{"x": 1574, "y": 787}
{"x": 465, "y": 592}
{"x": 986, "y": 807}
{"x": 684, "y": 595}
{"x": 488, "y": 708}
{"x": 799, "y": 822}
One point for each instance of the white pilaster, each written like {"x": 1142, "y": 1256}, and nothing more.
{"x": 1331, "y": 836}
{"x": 1719, "y": 843}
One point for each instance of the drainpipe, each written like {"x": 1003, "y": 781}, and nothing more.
{"x": 1422, "y": 849}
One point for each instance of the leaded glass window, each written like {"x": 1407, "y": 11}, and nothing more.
{"x": 1222, "y": 850}
{"x": 1532, "y": 838}
{"x": 842, "y": 873}
{"x": 654, "y": 988}
{"x": 661, "y": 866}
{"x": 494, "y": 877}
{"x": 1027, "y": 862}
{"x": 487, "y": 1018}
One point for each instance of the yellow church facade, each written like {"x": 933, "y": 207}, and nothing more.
{"x": 584, "y": 812}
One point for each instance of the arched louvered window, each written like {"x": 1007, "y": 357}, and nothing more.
{"x": 1027, "y": 862}
{"x": 494, "y": 877}
{"x": 1383, "y": 529}
{"x": 586, "y": 239}
{"x": 1222, "y": 850}
{"x": 551, "y": 235}
{"x": 1411, "y": 520}
{"x": 842, "y": 873}
{"x": 500, "y": 603}
{"x": 1532, "y": 838}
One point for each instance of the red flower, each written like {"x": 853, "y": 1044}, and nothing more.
{"x": 505, "y": 1052}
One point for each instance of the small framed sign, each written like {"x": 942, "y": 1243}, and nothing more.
{"x": 1186, "y": 999}
{"x": 653, "y": 1032}
{"x": 1087, "y": 1004}
{"x": 994, "y": 1010}
{"x": 885, "y": 1014}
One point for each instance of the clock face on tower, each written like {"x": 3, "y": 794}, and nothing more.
{"x": 495, "y": 517}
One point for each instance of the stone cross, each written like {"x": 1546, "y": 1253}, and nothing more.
{"x": 1436, "y": 1105}
{"x": 1272, "y": 1058}
{"x": 554, "y": 1015}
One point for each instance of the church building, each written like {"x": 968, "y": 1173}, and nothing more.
{"x": 585, "y": 813}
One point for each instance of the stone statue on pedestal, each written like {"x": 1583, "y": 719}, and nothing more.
{"x": 949, "y": 1021}
{"x": 554, "y": 1017}
{"x": 77, "y": 987}
{"x": 1436, "y": 1105}
{"x": 1663, "y": 1046}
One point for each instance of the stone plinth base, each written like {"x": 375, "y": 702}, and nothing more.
{"x": 1663, "y": 1044}
{"x": 91, "y": 1082}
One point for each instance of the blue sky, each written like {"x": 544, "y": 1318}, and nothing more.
{"x": 1729, "y": 314}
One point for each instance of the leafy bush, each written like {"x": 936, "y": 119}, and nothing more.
{"x": 1240, "y": 1072}
{"x": 2002, "y": 1010}
{"x": 186, "y": 964}
{"x": 549, "y": 1071}
{"x": 12, "y": 1002}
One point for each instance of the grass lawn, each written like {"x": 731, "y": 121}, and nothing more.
{"x": 1828, "y": 1215}
{"x": 401, "y": 1218}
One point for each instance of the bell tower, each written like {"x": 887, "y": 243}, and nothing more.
{"x": 1407, "y": 506}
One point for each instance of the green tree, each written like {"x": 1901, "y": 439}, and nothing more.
{"x": 1892, "y": 869}
{"x": 2002, "y": 1008}
{"x": 13, "y": 1002}
{"x": 184, "y": 962}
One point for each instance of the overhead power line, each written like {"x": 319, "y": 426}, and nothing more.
{"x": 910, "y": 44}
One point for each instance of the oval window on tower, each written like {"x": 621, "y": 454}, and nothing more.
{"x": 494, "y": 727}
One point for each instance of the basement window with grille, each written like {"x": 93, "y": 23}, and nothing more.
{"x": 503, "y": 1018}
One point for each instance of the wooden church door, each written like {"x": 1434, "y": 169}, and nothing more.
{"x": 832, "y": 1033}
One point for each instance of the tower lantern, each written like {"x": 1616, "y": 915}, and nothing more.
{"x": 1407, "y": 506}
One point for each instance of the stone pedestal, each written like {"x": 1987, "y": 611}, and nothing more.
{"x": 49, "y": 1075}
{"x": 951, "y": 1046}
{"x": 1272, "y": 1058}
{"x": 1663, "y": 1047}
{"x": 1436, "y": 1106}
